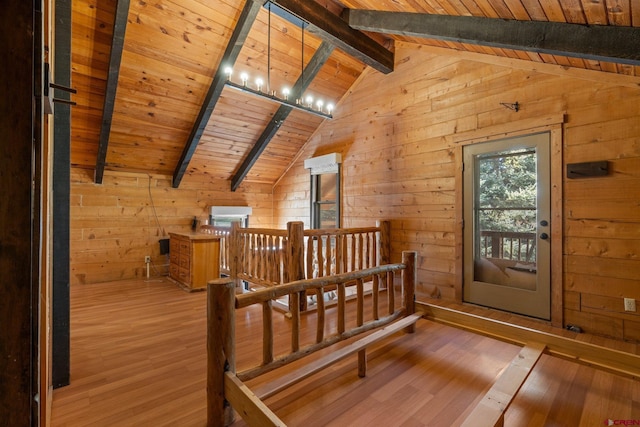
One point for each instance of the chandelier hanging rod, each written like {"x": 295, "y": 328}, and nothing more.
{"x": 303, "y": 103}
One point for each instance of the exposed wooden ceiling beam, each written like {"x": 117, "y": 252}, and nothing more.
{"x": 333, "y": 29}
{"x": 115, "y": 58}
{"x": 597, "y": 42}
{"x": 311, "y": 70}
{"x": 240, "y": 33}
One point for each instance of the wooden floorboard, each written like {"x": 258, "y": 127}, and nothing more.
{"x": 138, "y": 359}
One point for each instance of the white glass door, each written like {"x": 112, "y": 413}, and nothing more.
{"x": 506, "y": 218}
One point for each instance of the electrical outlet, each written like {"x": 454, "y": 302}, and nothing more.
{"x": 629, "y": 304}
{"x": 147, "y": 259}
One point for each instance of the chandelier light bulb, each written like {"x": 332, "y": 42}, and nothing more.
{"x": 284, "y": 96}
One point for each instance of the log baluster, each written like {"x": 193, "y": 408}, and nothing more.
{"x": 235, "y": 253}
{"x": 320, "y": 256}
{"x": 360, "y": 252}
{"x": 310, "y": 244}
{"x": 320, "y": 314}
{"x": 342, "y": 308}
{"x": 252, "y": 258}
{"x": 271, "y": 260}
{"x": 391, "y": 297}
{"x": 375, "y": 294}
{"x": 220, "y": 349}
{"x": 409, "y": 277}
{"x": 374, "y": 249}
{"x": 281, "y": 249}
{"x": 244, "y": 254}
{"x": 294, "y": 306}
{"x": 367, "y": 255}
{"x": 339, "y": 254}
{"x": 359, "y": 302}
{"x": 328, "y": 257}
{"x": 262, "y": 252}
{"x": 283, "y": 257}
{"x": 362, "y": 354}
{"x": 353, "y": 253}
{"x": 345, "y": 253}
{"x": 267, "y": 332}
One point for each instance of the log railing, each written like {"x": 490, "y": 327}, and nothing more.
{"x": 257, "y": 255}
{"x": 224, "y": 233}
{"x": 334, "y": 251}
{"x": 225, "y": 388}
{"x": 269, "y": 257}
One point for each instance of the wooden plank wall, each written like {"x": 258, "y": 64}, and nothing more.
{"x": 397, "y": 137}
{"x": 113, "y": 225}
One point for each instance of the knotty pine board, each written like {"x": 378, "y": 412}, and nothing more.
{"x": 392, "y": 129}
{"x": 113, "y": 225}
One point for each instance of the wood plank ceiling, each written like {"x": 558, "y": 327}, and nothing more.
{"x": 173, "y": 49}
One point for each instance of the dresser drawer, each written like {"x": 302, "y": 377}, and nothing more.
{"x": 174, "y": 246}
{"x": 184, "y": 275}
{"x": 174, "y": 257}
{"x": 184, "y": 261}
{"x": 174, "y": 271}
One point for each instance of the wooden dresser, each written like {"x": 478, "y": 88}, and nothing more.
{"x": 195, "y": 259}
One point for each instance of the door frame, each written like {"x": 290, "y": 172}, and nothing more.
{"x": 553, "y": 124}
{"x": 537, "y": 302}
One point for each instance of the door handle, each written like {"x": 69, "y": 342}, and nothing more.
{"x": 544, "y": 236}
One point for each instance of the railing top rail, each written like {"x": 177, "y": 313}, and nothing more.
{"x": 339, "y": 231}
{"x": 278, "y": 291}
{"x": 268, "y": 231}
{"x": 308, "y": 231}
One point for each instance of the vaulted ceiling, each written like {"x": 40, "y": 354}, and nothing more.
{"x": 151, "y": 85}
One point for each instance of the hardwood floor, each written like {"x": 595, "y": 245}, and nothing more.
{"x": 138, "y": 359}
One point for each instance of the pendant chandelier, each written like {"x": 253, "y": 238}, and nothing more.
{"x": 259, "y": 87}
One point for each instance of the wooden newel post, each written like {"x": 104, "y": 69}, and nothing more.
{"x": 220, "y": 349}
{"x": 409, "y": 278}
{"x": 234, "y": 253}
{"x": 384, "y": 244}
{"x": 295, "y": 248}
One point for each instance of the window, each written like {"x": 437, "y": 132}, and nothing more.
{"x": 325, "y": 190}
{"x": 325, "y": 209}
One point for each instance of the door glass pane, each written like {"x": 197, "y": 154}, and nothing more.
{"x": 505, "y": 229}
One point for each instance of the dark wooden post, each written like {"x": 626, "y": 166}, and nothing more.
{"x": 220, "y": 349}
{"x": 20, "y": 216}
{"x": 409, "y": 277}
